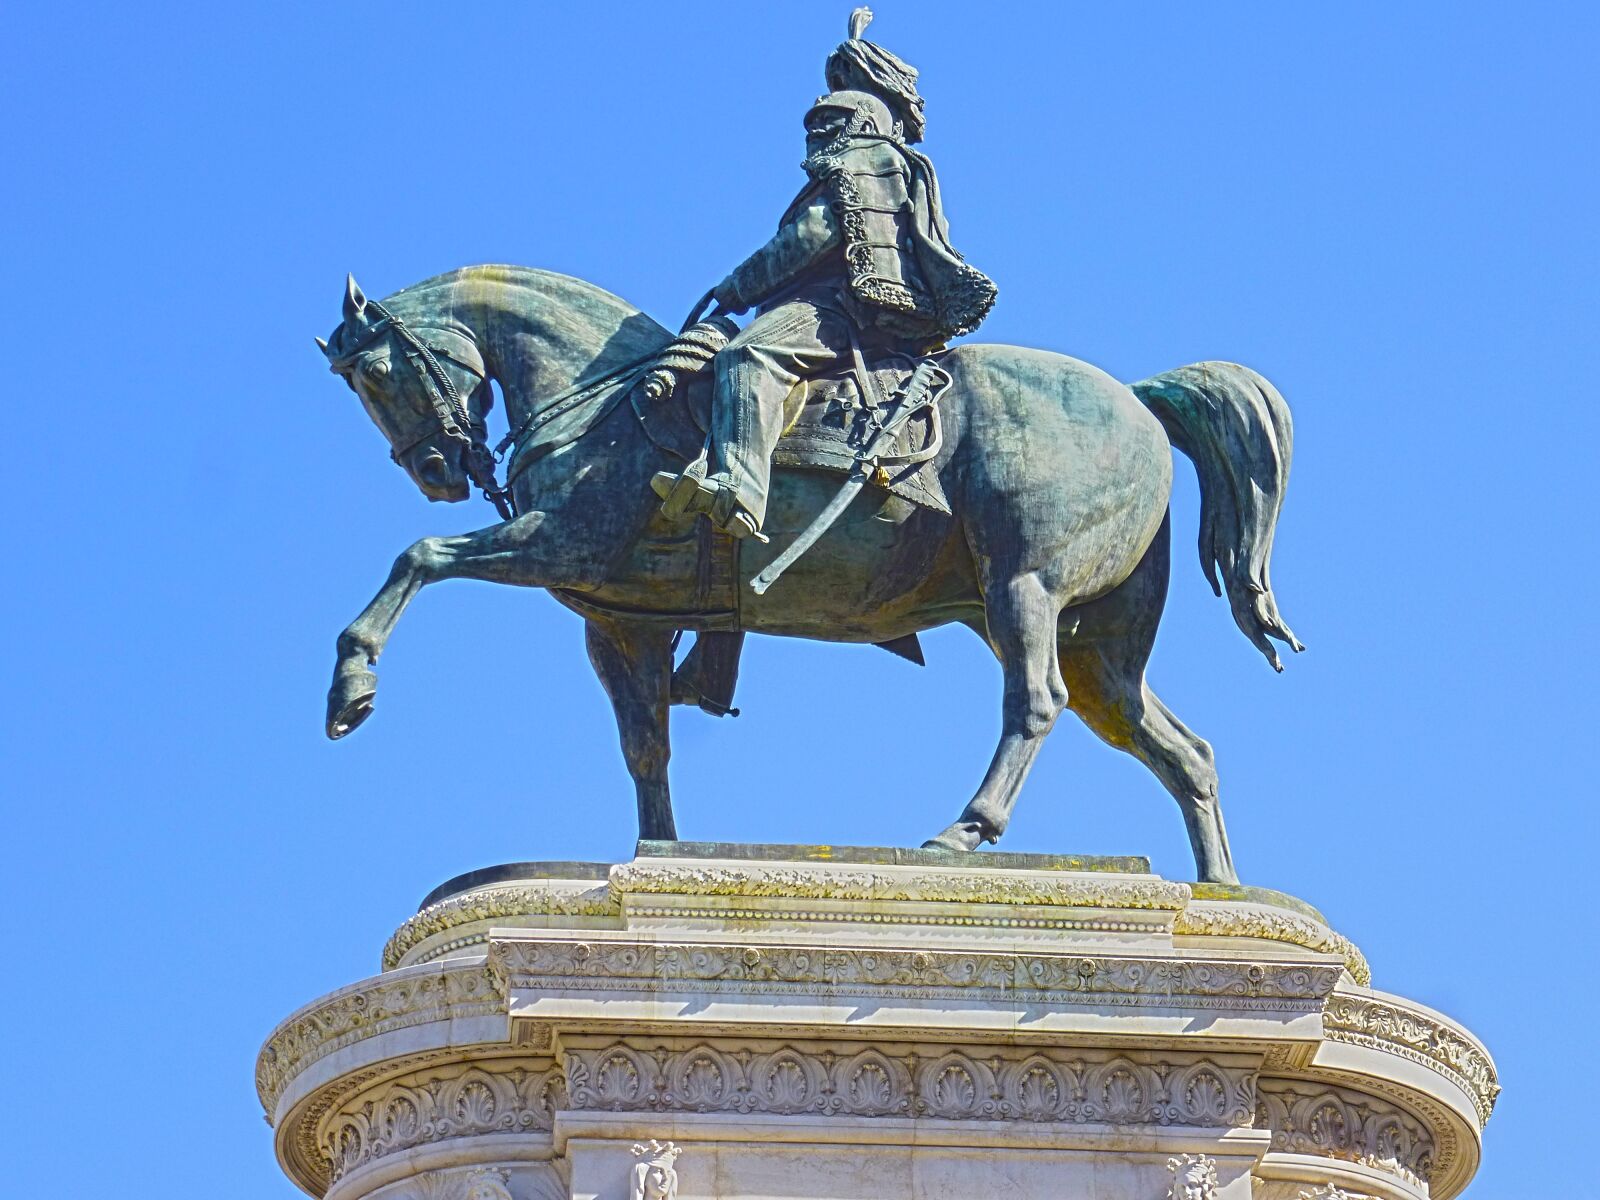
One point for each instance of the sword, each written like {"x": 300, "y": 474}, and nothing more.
{"x": 911, "y": 401}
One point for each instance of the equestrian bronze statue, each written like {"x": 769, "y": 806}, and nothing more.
{"x": 835, "y": 470}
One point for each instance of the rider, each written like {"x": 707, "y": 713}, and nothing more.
{"x": 861, "y": 260}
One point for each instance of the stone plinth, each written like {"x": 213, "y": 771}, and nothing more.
{"x": 808, "y": 1022}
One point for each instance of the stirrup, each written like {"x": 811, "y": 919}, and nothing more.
{"x": 684, "y": 493}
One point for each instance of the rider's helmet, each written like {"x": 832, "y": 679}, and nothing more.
{"x": 867, "y": 112}
{"x": 863, "y": 65}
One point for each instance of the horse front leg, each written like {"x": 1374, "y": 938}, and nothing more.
{"x": 507, "y": 553}
{"x": 634, "y": 663}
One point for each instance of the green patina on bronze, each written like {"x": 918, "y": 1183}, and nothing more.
{"x": 1043, "y": 526}
{"x": 518, "y": 871}
{"x": 895, "y": 856}
{"x": 1256, "y": 895}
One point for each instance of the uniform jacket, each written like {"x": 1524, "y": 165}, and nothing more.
{"x": 870, "y": 221}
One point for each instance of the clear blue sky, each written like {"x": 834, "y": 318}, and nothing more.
{"x": 1388, "y": 210}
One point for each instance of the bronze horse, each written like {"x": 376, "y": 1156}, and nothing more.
{"x": 1055, "y": 551}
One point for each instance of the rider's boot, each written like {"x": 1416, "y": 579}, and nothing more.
{"x": 689, "y": 492}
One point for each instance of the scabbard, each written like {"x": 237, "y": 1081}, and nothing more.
{"x": 912, "y": 400}
{"x": 812, "y": 533}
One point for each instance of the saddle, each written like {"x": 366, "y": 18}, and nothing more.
{"x": 834, "y": 415}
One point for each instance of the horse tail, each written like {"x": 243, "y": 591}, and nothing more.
{"x": 1234, "y": 426}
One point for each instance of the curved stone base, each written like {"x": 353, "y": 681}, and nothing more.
{"x": 802, "y": 1022}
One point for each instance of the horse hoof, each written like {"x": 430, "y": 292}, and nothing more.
{"x": 350, "y": 701}
{"x": 963, "y": 836}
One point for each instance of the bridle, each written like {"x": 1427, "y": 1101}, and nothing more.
{"x": 449, "y": 409}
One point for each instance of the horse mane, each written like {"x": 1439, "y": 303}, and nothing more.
{"x": 567, "y": 289}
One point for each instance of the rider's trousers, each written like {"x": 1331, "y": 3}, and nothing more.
{"x": 756, "y": 397}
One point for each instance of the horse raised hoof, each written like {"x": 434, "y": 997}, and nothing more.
{"x": 350, "y": 699}
{"x": 963, "y": 836}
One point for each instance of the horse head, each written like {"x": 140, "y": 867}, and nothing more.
{"x": 423, "y": 384}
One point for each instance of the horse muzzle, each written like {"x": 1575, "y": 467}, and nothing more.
{"x": 438, "y": 474}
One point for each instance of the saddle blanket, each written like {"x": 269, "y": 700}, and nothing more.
{"x": 834, "y": 422}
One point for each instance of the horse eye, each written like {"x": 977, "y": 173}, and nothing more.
{"x": 378, "y": 369}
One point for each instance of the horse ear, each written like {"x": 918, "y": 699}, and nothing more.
{"x": 322, "y": 344}
{"x": 354, "y": 301}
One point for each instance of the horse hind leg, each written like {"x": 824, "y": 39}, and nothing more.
{"x": 1103, "y": 653}
{"x": 1128, "y": 715}
{"x": 1022, "y": 615}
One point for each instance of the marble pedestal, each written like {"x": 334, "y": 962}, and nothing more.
{"x": 798, "y": 1023}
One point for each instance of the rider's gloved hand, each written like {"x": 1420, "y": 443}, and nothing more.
{"x": 726, "y": 294}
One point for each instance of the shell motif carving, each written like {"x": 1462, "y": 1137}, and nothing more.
{"x": 1335, "y": 1124}
{"x": 888, "y": 1082}
{"x": 468, "y": 1103}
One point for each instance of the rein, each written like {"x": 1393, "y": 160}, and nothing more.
{"x": 454, "y": 417}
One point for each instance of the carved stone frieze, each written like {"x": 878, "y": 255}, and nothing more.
{"x": 1311, "y": 1118}
{"x": 495, "y": 903}
{"x": 889, "y": 1081}
{"x": 1194, "y": 982}
{"x": 385, "y": 1004}
{"x": 1201, "y": 918}
{"x": 1329, "y": 1192}
{"x": 952, "y": 887}
{"x": 1383, "y": 1025}
{"x": 495, "y": 1096}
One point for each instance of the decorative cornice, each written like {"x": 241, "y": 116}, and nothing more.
{"x": 946, "y": 887}
{"x": 1310, "y": 1118}
{"x": 1382, "y": 1024}
{"x": 769, "y": 969}
{"x": 964, "y": 1084}
{"x": 1225, "y": 918}
{"x": 493, "y": 1097}
{"x": 1159, "y": 924}
{"x": 386, "y": 1004}
{"x": 495, "y": 903}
